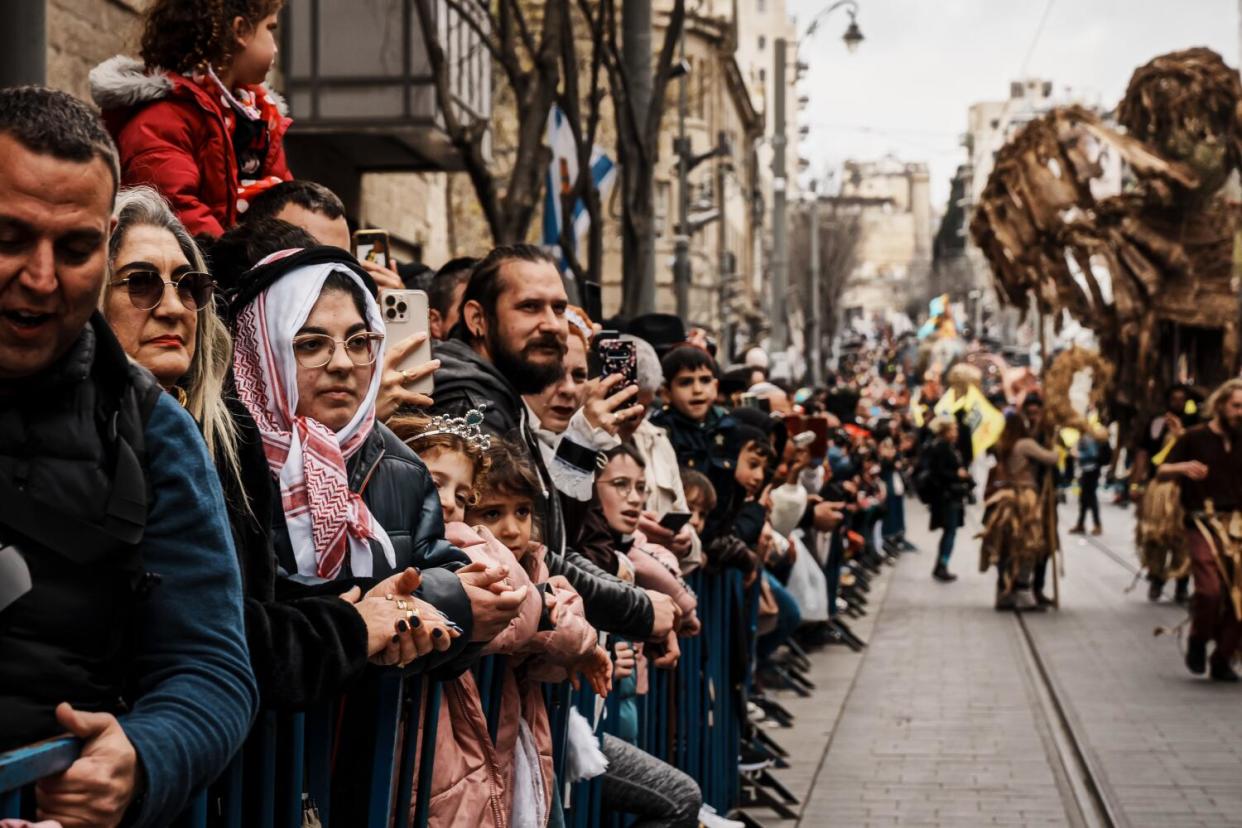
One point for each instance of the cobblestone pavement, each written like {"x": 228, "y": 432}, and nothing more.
{"x": 938, "y": 723}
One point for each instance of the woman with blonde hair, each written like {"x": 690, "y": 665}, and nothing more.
{"x": 159, "y": 300}
{"x": 177, "y": 335}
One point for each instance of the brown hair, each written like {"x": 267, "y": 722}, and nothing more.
{"x": 1015, "y": 430}
{"x": 510, "y": 474}
{"x": 696, "y": 481}
{"x": 181, "y": 35}
{"x": 411, "y": 429}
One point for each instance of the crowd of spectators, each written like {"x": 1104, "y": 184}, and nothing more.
{"x": 220, "y": 492}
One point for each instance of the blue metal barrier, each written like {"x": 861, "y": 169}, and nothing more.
{"x": 690, "y": 718}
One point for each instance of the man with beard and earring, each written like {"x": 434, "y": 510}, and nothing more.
{"x": 1207, "y": 461}
{"x": 510, "y": 340}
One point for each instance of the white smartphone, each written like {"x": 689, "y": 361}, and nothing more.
{"x": 405, "y": 314}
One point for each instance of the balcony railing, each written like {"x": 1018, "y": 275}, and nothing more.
{"x": 360, "y": 83}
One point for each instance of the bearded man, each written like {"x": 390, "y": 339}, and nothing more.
{"x": 1207, "y": 460}
{"x": 510, "y": 340}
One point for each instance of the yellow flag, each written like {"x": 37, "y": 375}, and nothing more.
{"x": 981, "y": 417}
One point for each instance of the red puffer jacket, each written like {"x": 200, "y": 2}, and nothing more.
{"x": 172, "y": 135}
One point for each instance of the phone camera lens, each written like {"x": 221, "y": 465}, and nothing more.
{"x": 388, "y": 300}
{"x": 401, "y": 307}
{"x": 391, "y": 314}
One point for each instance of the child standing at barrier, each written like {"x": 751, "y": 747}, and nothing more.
{"x": 193, "y": 118}
{"x": 487, "y": 493}
{"x": 637, "y": 782}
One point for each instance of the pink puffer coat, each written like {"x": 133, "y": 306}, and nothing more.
{"x": 472, "y": 778}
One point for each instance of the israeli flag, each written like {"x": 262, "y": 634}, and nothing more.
{"x": 562, "y": 173}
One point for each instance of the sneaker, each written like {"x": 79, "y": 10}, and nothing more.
{"x": 1222, "y": 671}
{"x": 1024, "y": 601}
{"x": 708, "y": 818}
{"x": 1196, "y": 656}
{"x": 1005, "y": 601}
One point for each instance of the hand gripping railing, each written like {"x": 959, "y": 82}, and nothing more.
{"x": 690, "y": 718}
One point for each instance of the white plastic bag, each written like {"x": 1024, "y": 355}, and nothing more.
{"x": 807, "y": 583}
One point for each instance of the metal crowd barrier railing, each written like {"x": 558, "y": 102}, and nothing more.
{"x": 690, "y": 718}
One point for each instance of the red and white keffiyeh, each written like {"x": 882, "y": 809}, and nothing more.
{"x": 325, "y": 519}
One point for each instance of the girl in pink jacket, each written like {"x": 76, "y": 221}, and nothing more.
{"x": 487, "y": 493}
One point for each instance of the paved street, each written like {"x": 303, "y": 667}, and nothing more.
{"x": 939, "y": 722}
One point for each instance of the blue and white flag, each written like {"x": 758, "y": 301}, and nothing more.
{"x": 562, "y": 173}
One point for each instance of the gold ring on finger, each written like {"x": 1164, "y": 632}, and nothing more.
{"x": 405, "y": 376}
{"x": 402, "y": 605}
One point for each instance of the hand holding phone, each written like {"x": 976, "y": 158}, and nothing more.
{"x": 405, "y": 315}
{"x": 673, "y": 521}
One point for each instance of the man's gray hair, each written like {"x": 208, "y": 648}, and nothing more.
{"x": 650, "y": 374}
{"x": 50, "y": 122}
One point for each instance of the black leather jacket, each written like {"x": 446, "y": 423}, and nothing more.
{"x": 466, "y": 380}
{"x": 398, "y": 490}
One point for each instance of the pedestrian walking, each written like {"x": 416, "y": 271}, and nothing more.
{"x": 951, "y": 482}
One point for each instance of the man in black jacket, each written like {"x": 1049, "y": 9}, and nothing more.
{"x": 510, "y": 341}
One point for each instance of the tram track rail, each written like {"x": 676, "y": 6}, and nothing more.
{"x": 1089, "y": 800}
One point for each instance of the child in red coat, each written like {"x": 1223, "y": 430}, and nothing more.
{"x": 193, "y": 118}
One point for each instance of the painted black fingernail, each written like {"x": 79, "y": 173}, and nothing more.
{"x": 402, "y": 626}
{"x": 414, "y": 622}
{"x": 395, "y": 639}
{"x": 437, "y": 633}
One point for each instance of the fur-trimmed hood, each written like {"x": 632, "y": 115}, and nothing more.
{"x": 122, "y": 81}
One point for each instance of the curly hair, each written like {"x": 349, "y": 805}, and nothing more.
{"x": 181, "y": 35}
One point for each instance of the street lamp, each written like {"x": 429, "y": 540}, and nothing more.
{"x": 853, "y": 35}
{"x": 780, "y": 264}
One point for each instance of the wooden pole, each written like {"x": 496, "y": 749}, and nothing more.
{"x": 1048, "y": 498}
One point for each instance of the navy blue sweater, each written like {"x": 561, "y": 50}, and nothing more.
{"x": 196, "y": 692}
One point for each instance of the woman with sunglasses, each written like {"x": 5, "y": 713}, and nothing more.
{"x": 306, "y": 643}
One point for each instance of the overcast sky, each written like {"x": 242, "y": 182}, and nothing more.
{"x": 907, "y": 88}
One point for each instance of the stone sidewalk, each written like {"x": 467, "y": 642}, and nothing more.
{"x": 937, "y": 723}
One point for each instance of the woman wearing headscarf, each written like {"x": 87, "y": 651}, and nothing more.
{"x": 306, "y": 644}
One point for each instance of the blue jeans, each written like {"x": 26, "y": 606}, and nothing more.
{"x": 952, "y": 515}
{"x": 787, "y": 619}
{"x": 895, "y": 510}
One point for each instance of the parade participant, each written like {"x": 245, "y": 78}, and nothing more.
{"x": 193, "y": 118}
{"x": 1013, "y": 528}
{"x": 1180, "y": 412}
{"x": 1207, "y": 461}
{"x": 104, "y": 481}
{"x": 511, "y": 340}
{"x": 951, "y": 485}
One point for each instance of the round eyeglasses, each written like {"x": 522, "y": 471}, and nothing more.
{"x": 146, "y": 288}
{"x": 317, "y": 350}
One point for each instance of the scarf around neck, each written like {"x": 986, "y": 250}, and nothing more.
{"x": 325, "y": 519}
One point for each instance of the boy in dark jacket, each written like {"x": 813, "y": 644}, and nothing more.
{"x": 699, "y": 430}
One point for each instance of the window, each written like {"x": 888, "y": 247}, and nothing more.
{"x": 763, "y": 41}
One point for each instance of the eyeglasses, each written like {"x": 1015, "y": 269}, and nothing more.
{"x": 317, "y": 350}
{"x": 146, "y": 288}
{"x": 624, "y": 486}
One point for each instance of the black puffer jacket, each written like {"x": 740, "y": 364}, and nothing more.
{"x": 398, "y": 490}
{"x": 466, "y": 380}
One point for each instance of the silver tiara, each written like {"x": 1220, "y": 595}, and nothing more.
{"x": 468, "y": 428}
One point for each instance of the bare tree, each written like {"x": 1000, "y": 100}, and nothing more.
{"x": 839, "y": 236}
{"x": 530, "y": 64}
{"x": 638, "y": 148}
